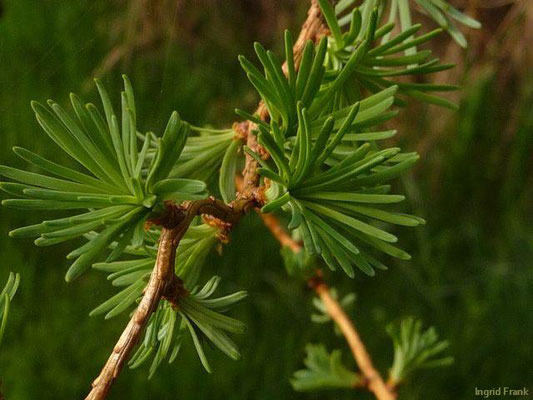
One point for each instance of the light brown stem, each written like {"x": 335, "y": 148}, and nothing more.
{"x": 163, "y": 270}
{"x": 175, "y": 223}
{"x": 312, "y": 29}
{"x": 274, "y": 225}
{"x": 279, "y": 232}
{"x": 374, "y": 380}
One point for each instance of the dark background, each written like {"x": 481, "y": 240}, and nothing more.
{"x": 471, "y": 274}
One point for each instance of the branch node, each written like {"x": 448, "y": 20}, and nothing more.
{"x": 223, "y": 228}
{"x": 241, "y": 130}
{"x": 174, "y": 215}
{"x": 174, "y": 291}
{"x": 315, "y": 281}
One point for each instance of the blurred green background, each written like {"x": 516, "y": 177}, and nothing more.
{"x": 471, "y": 274}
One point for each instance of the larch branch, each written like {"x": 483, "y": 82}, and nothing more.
{"x": 278, "y": 231}
{"x": 373, "y": 378}
{"x": 163, "y": 270}
{"x": 313, "y": 29}
{"x": 248, "y": 196}
{"x": 175, "y": 224}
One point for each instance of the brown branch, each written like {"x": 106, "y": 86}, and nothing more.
{"x": 372, "y": 377}
{"x": 163, "y": 271}
{"x": 279, "y": 232}
{"x": 312, "y": 29}
{"x": 162, "y": 281}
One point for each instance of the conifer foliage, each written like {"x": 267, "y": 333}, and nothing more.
{"x": 321, "y": 165}
{"x": 6, "y": 296}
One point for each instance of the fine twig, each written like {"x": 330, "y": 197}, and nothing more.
{"x": 369, "y": 378}
{"x": 312, "y": 29}
{"x": 373, "y": 379}
{"x": 279, "y": 232}
{"x": 274, "y": 225}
